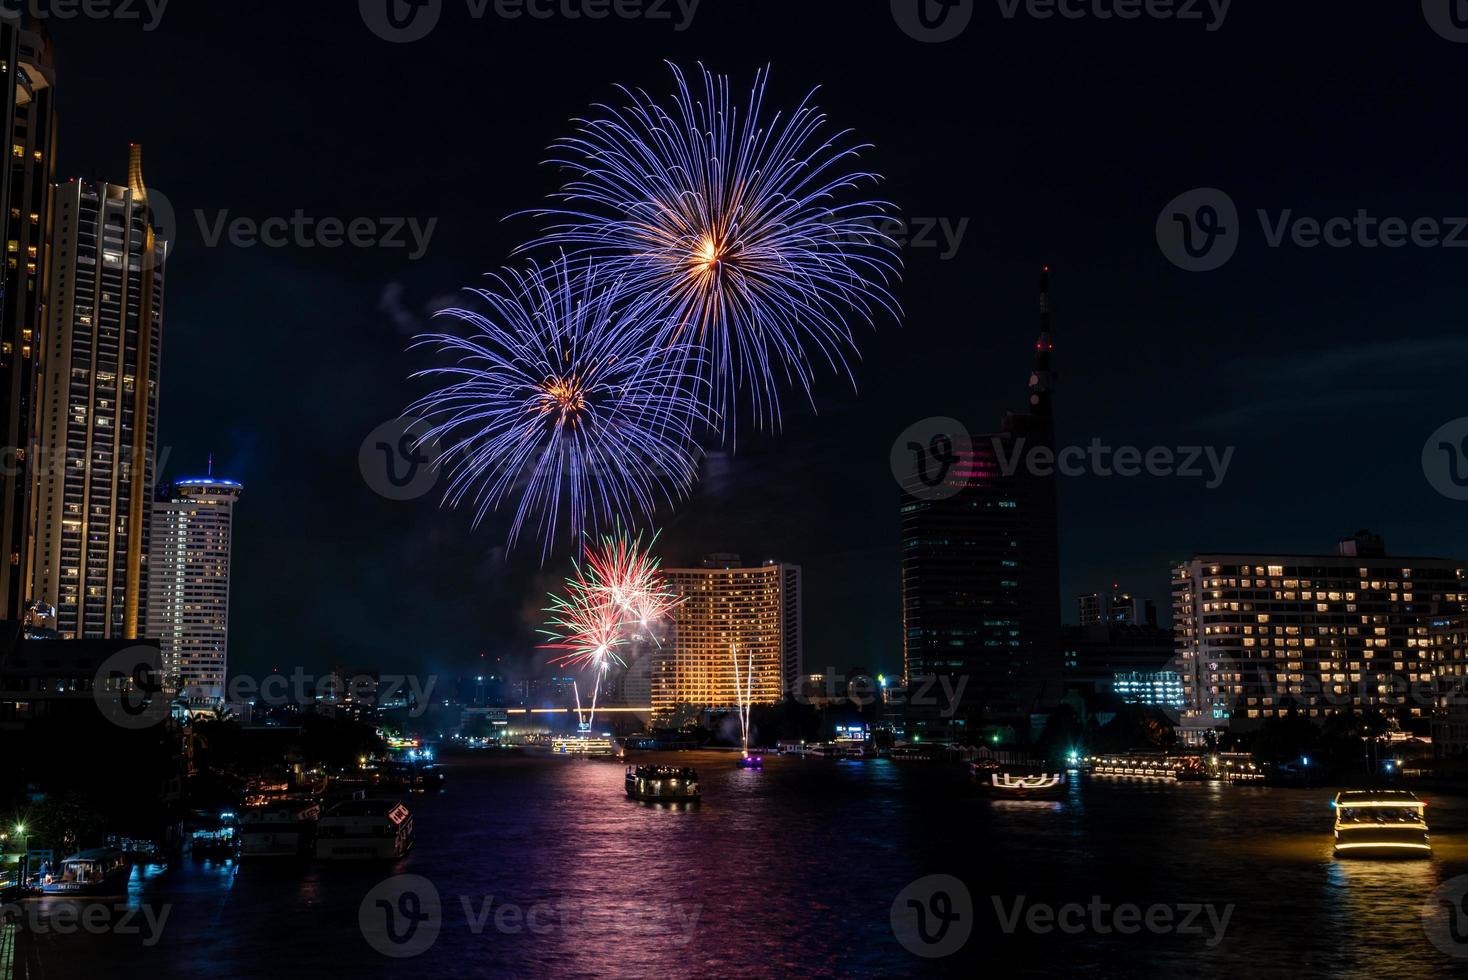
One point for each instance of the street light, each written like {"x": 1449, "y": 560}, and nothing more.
{"x": 25, "y": 853}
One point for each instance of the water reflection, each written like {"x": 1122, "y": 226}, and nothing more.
{"x": 544, "y": 867}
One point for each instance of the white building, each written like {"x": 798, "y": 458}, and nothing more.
{"x": 188, "y": 583}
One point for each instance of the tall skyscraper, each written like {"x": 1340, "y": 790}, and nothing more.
{"x": 1261, "y": 635}
{"x": 27, "y": 84}
{"x": 188, "y": 582}
{"x": 981, "y": 570}
{"x": 730, "y": 612}
{"x": 99, "y": 408}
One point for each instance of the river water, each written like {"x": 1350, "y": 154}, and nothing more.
{"x": 532, "y": 866}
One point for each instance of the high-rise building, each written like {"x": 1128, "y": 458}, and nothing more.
{"x": 1450, "y": 671}
{"x": 188, "y": 582}
{"x": 99, "y": 408}
{"x": 730, "y": 613}
{"x": 981, "y": 570}
{"x": 1115, "y": 607}
{"x": 1259, "y": 636}
{"x": 28, "y": 85}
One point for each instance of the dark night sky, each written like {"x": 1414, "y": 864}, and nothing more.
{"x": 1059, "y": 141}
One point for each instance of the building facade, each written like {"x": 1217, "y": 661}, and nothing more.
{"x": 1113, "y": 608}
{"x": 1259, "y": 636}
{"x": 1450, "y": 670}
{"x": 28, "y": 87}
{"x": 981, "y": 569}
{"x": 188, "y": 583}
{"x": 99, "y": 409}
{"x": 730, "y": 615}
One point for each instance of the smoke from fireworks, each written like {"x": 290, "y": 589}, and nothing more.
{"x": 735, "y": 224}
{"x": 560, "y": 396}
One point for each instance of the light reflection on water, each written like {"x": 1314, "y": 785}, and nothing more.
{"x": 794, "y": 869}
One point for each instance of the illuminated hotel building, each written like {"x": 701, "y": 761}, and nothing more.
{"x": 27, "y": 84}
{"x": 1261, "y": 635}
{"x": 99, "y": 408}
{"x": 981, "y": 571}
{"x": 727, "y": 608}
{"x": 188, "y": 582}
{"x": 1450, "y": 670}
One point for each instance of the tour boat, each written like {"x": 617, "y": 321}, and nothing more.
{"x": 662, "y": 784}
{"x": 100, "y": 872}
{"x": 279, "y": 829}
{"x": 751, "y": 762}
{"x": 587, "y": 746}
{"x": 1380, "y": 823}
{"x": 365, "y": 830}
{"x": 1019, "y": 784}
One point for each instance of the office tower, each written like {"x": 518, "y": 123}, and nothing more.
{"x": 99, "y": 408}
{"x": 1261, "y": 635}
{"x": 981, "y": 571}
{"x": 27, "y": 83}
{"x": 1114, "y": 607}
{"x": 728, "y": 613}
{"x": 188, "y": 582}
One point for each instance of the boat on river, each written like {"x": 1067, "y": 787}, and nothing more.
{"x": 1383, "y": 823}
{"x": 662, "y": 784}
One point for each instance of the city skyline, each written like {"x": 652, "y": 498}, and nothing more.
{"x": 968, "y": 318}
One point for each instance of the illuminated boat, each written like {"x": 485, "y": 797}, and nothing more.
{"x": 1022, "y": 784}
{"x": 751, "y": 762}
{"x": 588, "y": 746}
{"x": 662, "y": 784}
{"x": 1389, "y": 823}
{"x": 100, "y": 872}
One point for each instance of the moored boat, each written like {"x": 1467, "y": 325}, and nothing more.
{"x": 103, "y": 871}
{"x": 365, "y": 830}
{"x": 662, "y": 784}
{"x": 279, "y": 829}
{"x": 1388, "y": 823}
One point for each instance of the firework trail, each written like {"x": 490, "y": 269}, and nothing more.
{"x": 619, "y": 592}
{"x": 738, "y": 226}
{"x": 559, "y": 397}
